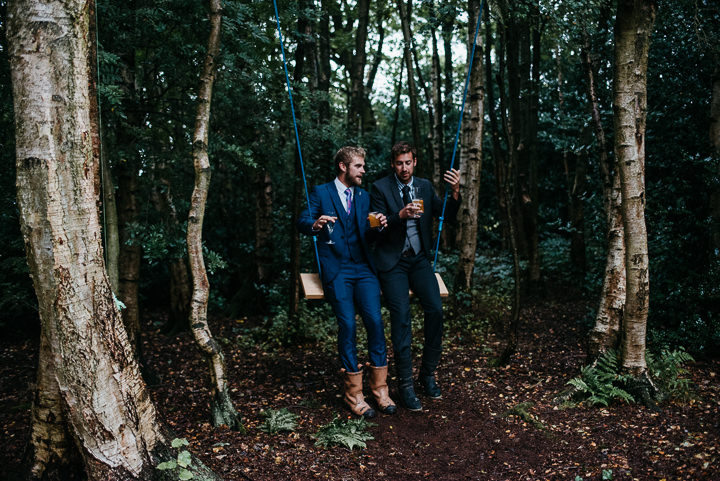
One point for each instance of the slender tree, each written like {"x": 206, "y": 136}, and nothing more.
{"x": 91, "y": 403}
{"x": 412, "y": 87}
{"x": 605, "y": 332}
{"x": 715, "y": 140}
{"x": 472, "y": 145}
{"x": 222, "y": 409}
{"x": 357, "y": 70}
{"x": 633, "y": 26}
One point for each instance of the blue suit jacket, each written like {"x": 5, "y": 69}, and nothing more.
{"x": 324, "y": 200}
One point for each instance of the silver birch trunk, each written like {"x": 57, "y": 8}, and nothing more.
{"x": 222, "y": 410}
{"x": 605, "y": 333}
{"x": 472, "y": 146}
{"x": 89, "y": 384}
{"x": 634, "y": 23}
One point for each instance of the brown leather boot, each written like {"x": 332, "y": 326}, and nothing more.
{"x": 379, "y": 387}
{"x": 353, "y": 394}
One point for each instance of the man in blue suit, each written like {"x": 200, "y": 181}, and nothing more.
{"x": 403, "y": 253}
{"x": 338, "y": 214}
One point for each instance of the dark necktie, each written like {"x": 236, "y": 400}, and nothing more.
{"x": 406, "y": 195}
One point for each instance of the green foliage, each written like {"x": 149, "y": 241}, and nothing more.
{"x": 279, "y": 420}
{"x": 181, "y": 464}
{"x": 601, "y": 383}
{"x": 348, "y": 433}
{"x": 669, "y": 373}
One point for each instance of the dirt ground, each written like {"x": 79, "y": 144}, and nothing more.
{"x": 467, "y": 435}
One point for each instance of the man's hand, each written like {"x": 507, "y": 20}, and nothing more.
{"x": 452, "y": 177}
{"x": 320, "y": 223}
{"x": 382, "y": 219}
{"x": 410, "y": 211}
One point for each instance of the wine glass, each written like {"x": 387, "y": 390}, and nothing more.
{"x": 330, "y": 226}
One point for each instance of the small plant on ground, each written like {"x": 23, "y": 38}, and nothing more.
{"x": 279, "y": 420}
{"x": 182, "y": 463}
{"x": 601, "y": 383}
{"x": 522, "y": 411}
{"x": 349, "y": 433}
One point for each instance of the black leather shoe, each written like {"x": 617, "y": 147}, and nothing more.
{"x": 430, "y": 387}
{"x": 408, "y": 399}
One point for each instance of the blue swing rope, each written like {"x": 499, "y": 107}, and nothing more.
{"x": 297, "y": 136}
{"x": 457, "y": 134}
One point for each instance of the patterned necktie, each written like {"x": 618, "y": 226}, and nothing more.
{"x": 348, "y": 194}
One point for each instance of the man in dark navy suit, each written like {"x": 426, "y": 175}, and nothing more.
{"x": 402, "y": 256}
{"x": 338, "y": 214}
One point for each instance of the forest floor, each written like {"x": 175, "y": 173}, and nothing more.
{"x": 472, "y": 433}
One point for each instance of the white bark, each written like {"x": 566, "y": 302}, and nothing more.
{"x": 103, "y": 398}
{"x": 633, "y": 26}
{"x": 223, "y": 412}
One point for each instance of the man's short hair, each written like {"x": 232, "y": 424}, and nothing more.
{"x": 347, "y": 154}
{"x": 402, "y": 148}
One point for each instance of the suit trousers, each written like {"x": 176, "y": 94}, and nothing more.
{"x": 414, "y": 272}
{"x": 356, "y": 285}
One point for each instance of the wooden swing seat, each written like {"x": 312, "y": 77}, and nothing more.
{"x": 313, "y": 289}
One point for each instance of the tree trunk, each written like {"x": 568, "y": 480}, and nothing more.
{"x": 448, "y": 25}
{"x": 633, "y": 25}
{"x": 324, "y": 68}
{"x": 605, "y": 333}
{"x": 128, "y": 211}
{"x": 89, "y": 384}
{"x": 472, "y": 144}
{"x": 222, "y": 410}
{"x": 368, "y": 118}
{"x": 577, "y": 208}
{"x": 715, "y": 140}
{"x": 298, "y": 198}
{"x": 497, "y": 153}
{"x": 438, "y": 140}
{"x": 263, "y": 226}
{"x": 110, "y": 222}
{"x": 505, "y": 170}
{"x": 130, "y": 250}
{"x": 412, "y": 89}
{"x": 396, "y": 116}
{"x": 180, "y": 290}
{"x": 357, "y": 70}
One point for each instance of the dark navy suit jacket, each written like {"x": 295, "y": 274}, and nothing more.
{"x": 324, "y": 200}
{"x": 386, "y": 198}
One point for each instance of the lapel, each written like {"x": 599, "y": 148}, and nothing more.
{"x": 339, "y": 204}
{"x": 395, "y": 193}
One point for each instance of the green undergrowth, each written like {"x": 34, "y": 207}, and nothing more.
{"x": 278, "y": 420}
{"x": 523, "y": 412}
{"x": 604, "y": 382}
{"x": 348, "y": 433}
